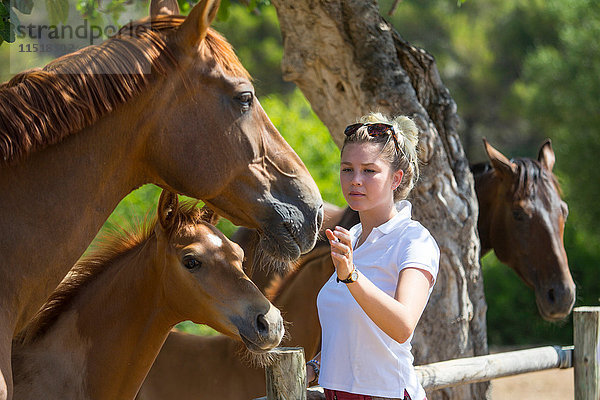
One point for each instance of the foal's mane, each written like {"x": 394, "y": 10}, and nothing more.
{"x": 111, "y": 246}
{"x": 40, "y": 107}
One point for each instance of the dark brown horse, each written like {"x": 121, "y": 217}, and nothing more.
{"x": 165, "y": 101}
{"x": 522, "y": 217}
{"x": 100, "y": 331}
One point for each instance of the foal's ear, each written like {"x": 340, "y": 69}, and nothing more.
{"x": 193, "y": 30}
{"x": 209, "y": 216}
{"x": 499, "y": 161}
{"x": 167, "y": 209}
{"x": 164, "y": 7}
{"x": 546, "y": 155}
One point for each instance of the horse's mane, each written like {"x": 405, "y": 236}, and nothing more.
{"x": 40, "y": 107}
{"x": 529, "y": 173}
{"x": 110, "y": 247}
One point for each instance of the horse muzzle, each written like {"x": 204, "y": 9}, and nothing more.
{"x": 293, "y": 233}
{"x": 555, "y": 302}
{"x": 264, "y": 332}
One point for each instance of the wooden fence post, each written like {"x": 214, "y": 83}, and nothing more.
{"x": 286, "y": 377}
{"x": 586, "y": 337}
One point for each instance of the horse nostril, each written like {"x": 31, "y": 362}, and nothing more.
{"x": 551, "y": 295}
{"x": 262, "y": 325}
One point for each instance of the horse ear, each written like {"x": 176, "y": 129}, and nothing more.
{"x": 167, "y": 209}
{"x": 193, "y": 30}
{"x": 499, "y": 161}
{"x": 164, "y": 7}
{"x": 546, "y": 155}
{"x": 209, "y": 216}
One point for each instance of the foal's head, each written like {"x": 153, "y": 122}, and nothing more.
{"x": 526, "y": 225}
{"x": 202, "y": 277}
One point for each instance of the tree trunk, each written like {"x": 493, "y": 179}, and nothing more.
{"x": 348, "y": 60}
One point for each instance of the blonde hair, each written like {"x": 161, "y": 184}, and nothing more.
{"x": 406, "y": 159}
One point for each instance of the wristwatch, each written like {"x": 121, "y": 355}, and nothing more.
{"x": 351, "y": 278}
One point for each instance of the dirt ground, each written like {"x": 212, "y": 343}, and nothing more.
{"x": 544, "y": 385}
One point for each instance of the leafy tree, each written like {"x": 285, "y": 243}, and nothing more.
{"x": 257, "y": 40}
{"x": 560, "y": 93}
{"x": 480, "y": 49}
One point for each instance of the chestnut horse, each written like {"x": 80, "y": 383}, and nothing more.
{"x": 191, "y": 367}
{"x": 522, "y": 217}
{"x": 100, "y": 331}
{"x": 165, "y": 101}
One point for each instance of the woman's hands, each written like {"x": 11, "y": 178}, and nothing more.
{"x": 341, "y": 251}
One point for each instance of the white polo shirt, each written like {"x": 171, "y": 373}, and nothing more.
{"x": 357, "y": 356}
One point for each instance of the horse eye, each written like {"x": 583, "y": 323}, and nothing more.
{"x": 191, "y": 263}
{"x": 245, "y": 99}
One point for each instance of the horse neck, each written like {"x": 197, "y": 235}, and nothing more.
{"x": 67, "y": 191}
{"x": 486, "y": 186}
{"x": 121, "y": 318}
{"x": 298, "y": 299}
{"x": 201, "y": 361}
{"x": 134, "y": 294}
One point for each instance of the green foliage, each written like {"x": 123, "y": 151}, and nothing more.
{"x": 24, "y": 6}
{"x": 58, "y": 11}
{"x": 251, "y": 5}
{"x": 111, "y": 10}
{"x": 479, "y": 49}
{"x": 257, "y": 41}
{"x": 560, "y": 93}
{"x": 195, "y": 329}
{"x": 7, "y": 28}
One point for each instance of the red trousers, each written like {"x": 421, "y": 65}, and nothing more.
{"x": 339, "y": 395}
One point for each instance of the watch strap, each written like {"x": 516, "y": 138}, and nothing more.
{"x": 348, "y": 279}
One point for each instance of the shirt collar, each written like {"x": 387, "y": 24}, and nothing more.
{"x": 404, "y": 209}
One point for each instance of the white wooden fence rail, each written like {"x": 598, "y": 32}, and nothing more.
{"x": 584, "y": 356}
{"x": 484, "y": 368}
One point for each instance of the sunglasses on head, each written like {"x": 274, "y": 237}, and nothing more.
{"x": 374, "y": 129}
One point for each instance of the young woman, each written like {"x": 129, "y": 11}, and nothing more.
{"x": 386, "y": 267}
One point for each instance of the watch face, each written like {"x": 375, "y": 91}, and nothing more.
{"x": 354, "y": 276}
